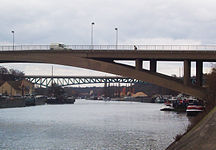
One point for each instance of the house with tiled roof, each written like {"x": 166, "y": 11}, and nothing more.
{"x": 16, "y": 88}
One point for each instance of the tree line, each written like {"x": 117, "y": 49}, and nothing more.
{"x": 10, "y": 74}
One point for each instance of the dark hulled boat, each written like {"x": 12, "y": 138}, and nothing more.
{"x": 60, "y": 100}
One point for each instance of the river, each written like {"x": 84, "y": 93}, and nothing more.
{"x": 90, "y": 125}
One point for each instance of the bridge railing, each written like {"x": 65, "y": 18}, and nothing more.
{"x": 112, "y": 47}
{"x": 24, "y": 47}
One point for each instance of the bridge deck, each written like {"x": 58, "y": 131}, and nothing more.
{"x": 168, "y": 55}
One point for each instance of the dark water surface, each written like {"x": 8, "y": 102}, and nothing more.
{"x": 90, "y": 125}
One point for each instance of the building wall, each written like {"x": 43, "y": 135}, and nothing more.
{"x": 25, "y": 86}
{"x": 6, "y": 88}
{"x": 28, "y": 85}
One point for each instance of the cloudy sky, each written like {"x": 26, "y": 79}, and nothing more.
{"x": 138, "y": 22}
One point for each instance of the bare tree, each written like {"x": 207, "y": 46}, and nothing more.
{"x": 11, "y": 74}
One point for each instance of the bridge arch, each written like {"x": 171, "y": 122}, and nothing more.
{"x": 71, "y": 59}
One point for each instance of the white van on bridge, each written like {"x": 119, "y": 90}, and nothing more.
{"x": 57, "y": 46}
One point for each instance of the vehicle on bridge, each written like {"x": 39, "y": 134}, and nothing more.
{"x": 57, "y": 46}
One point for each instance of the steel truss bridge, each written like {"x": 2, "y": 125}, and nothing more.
{"x": 46, "y": 81}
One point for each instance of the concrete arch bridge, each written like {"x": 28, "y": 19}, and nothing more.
{"x": 102, "y": 58}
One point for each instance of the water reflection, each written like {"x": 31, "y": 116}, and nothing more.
{"x": 90, "y": 125}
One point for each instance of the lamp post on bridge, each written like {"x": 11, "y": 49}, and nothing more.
{"x": 92, "y": 28}
{"x": 13, "y": 39}
{"x": 116, "y": 37}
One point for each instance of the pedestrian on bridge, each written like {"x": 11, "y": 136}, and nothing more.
{"x": 135, "y": 48}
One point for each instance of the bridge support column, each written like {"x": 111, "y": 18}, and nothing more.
{"x": 105, "y": 89}
{"x": 139, "y": 64}
{"x": 187, "y": 72}
{"x": 199, "y": 72}
{"x": 153, "y": 65}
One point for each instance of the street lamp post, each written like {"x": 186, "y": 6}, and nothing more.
{"x": 92, "y": 27}
{"x": 13, "y": 39}
{"x": 116, "y": 37}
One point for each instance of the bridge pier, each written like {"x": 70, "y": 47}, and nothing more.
{"x": 199, "y": 73}
{"x": 187, "y": 72}
{"x": 139, "y": 64}
{"x": 153, "y": 65}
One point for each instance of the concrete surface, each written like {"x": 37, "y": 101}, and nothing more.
{"x": 201, "y": 137}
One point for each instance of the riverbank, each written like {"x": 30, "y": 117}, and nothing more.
{"x": 12, "y": 103}
{"x": 202, "y": 136}
{"x": 18, "y": 101}
{"x": 133, "y": 99}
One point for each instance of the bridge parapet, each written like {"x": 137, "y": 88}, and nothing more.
{"x": 112, "y": 47}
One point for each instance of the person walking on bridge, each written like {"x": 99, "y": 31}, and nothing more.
{"x": 135, "y": 48}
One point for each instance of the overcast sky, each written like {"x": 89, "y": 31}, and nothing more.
{"x": 138, "y": 22}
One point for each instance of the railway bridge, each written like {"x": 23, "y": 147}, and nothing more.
{"x": 46, "y": 81}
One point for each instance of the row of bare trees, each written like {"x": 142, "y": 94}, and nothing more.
{"x": 10, "y": 74}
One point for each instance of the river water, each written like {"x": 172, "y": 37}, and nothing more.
{"x": 90, "y": 125}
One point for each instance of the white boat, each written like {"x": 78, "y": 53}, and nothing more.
{"x": 172, "y": 99}
{"x": 167, "y": 107}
